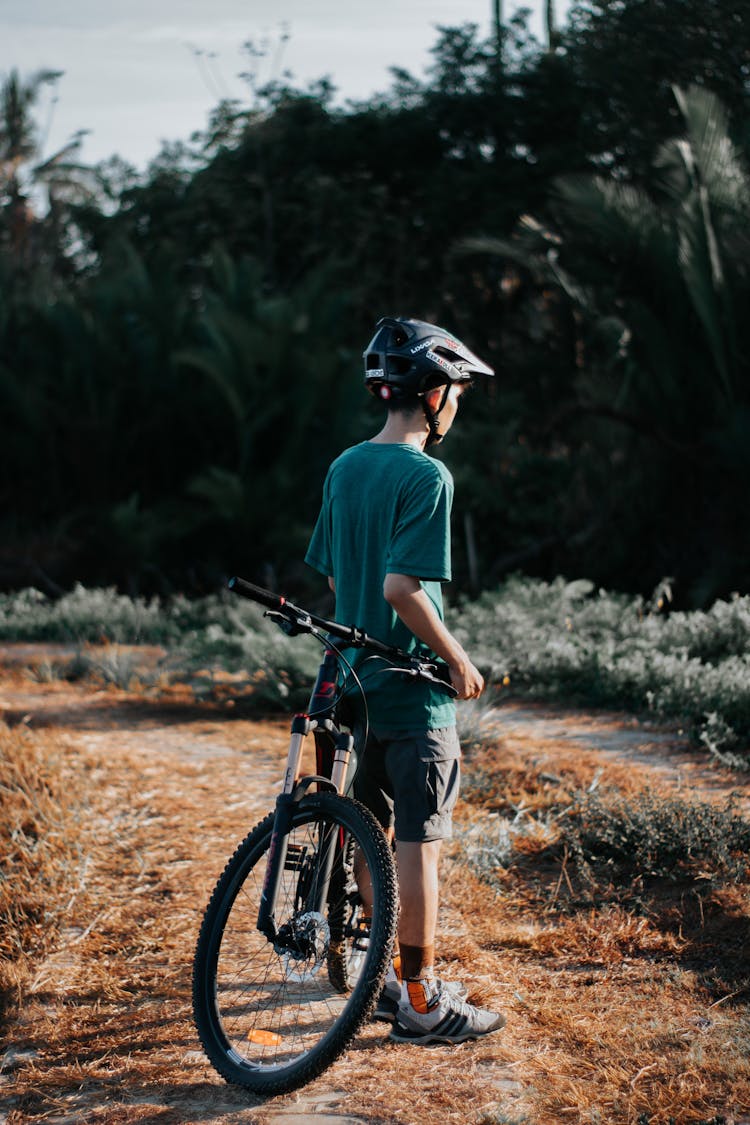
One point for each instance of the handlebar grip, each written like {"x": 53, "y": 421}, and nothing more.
{"x": 255, "y": 593}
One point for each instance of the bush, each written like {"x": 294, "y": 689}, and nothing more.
{"x": 565, "y": 640}
{"x": 281, "y": 668}
{"x": 219, "y": 632}
{"x": 558, "y": 640}
{"x": 613, "y": 840}
{"x": 656, "y": 837}
{"x": 93, "y": 616}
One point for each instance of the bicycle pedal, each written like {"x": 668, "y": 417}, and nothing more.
{"x": 361, "y": 937}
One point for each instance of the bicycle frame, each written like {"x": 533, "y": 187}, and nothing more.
{"x": 294, "y": 620}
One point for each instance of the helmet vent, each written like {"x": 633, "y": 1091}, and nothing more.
{"x": 447, "y": 354}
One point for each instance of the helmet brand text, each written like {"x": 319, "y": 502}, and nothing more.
{"x": 441, "y": 361}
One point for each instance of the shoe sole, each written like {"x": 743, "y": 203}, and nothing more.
{"x": 422, "y": 1039}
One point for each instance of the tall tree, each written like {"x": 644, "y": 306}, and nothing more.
{"x": 659, "y": 285}
{"x": 625, "y": 57}
{"x": 31, "y": 182}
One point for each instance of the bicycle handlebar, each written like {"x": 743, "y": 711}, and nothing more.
{"x": 256, "y": 593}
{"x": 304, "y": 621}
{"x": 298, "y": 620}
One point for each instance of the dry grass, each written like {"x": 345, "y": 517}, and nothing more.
{"x": 611, "y": 1015}
{"x": 624, "y": 1006}
{"x": 629, "y": 1001}
{"x": 40, "y": 868}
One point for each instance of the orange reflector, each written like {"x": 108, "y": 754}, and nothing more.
{"x": 264, "y": 1038}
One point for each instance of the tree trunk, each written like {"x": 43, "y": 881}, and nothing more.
{"x": 498, "y": 21}
{"x": 472, "y": 558}
{"x": 552, "y": 32}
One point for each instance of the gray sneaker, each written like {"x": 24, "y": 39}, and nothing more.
{"x": 386, "y": 1008}
{"x": 447, "y": 1020}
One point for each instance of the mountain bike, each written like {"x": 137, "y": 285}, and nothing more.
{"x": 298, "y": 934}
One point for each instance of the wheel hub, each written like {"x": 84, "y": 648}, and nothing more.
{"x": 303, "y": 945}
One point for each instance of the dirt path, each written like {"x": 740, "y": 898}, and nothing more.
{"x": 106, "y": 1034}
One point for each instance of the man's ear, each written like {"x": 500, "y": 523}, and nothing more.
{"x": 434, "y": 397}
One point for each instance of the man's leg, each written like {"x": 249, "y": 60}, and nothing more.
{"x": 418, "y": 892}
{"x": 429, "y": 1010}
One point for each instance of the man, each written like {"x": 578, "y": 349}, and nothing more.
{"x": 383, "y": 541}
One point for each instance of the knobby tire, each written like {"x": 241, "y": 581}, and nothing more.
{"x": 271, "y": 1021}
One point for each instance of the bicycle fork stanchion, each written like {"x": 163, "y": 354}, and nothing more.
{"x": 275, "y": 866}
{"x": 328, "y": 846}
{"x": 285, "y": 805}
{"x": 282, "y": 824}
{"x": 341, "y": 758}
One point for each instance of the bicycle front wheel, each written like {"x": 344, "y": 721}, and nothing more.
{"x": 272, "y": 1016}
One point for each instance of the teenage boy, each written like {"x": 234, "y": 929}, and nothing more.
{"x": 383, "y": 541}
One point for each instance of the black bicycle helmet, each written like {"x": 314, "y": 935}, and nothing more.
{"x": 408, "y": 357}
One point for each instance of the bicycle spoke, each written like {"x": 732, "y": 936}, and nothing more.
{"x": 271, "y": 1012}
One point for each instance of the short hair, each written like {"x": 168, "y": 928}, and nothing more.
{"x": 404, "y": 404}
{"x": 399, "y": 401}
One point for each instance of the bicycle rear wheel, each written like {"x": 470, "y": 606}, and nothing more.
{"x": 271, "y": 1019}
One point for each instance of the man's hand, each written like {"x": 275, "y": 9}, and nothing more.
{"x": 467, "y": 680}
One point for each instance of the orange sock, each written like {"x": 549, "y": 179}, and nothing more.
{"x": 422, "y": 994}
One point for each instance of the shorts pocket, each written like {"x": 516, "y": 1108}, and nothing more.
{"x": 440, "y": 769}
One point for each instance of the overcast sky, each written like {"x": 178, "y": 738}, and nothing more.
{"x": 133, "y": 78}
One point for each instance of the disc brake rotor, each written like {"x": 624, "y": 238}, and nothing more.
{"x": 312, "y": 936}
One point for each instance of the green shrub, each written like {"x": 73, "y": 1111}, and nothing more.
{"x": 558, "y": 640}
{"x": 219, "y": 633}
{"x": 281, "y": 668}
{"x": 491, "y": 844}
{"x": 90, "y": 616}
{"x": 656, "y": 837}
{"x": 565, "y": 640}
{"x": 614, "y": 840}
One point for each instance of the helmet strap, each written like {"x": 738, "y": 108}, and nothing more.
{"x": 434, "y": 437}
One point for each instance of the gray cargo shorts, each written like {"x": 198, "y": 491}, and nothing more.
{"x": 410, "y": 781}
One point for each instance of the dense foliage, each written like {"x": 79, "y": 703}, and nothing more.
{"x": 532, "y": 639}
{"x": 179, "y": 352}
{"x": 566, "y": 641}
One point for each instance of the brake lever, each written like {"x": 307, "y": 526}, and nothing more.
{"x": 292, "y": 627}
{"x": 435, "y": 672}
{"x": 439, "y": 673}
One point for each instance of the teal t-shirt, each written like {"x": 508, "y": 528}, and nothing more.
{"x": 386, "y": 510}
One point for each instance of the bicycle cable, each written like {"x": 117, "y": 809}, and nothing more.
{"x": 328, "y": 643}
{"x": 359, "y": 682}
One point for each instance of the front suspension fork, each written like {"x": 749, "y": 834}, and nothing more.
{"x": 292, "y": 793}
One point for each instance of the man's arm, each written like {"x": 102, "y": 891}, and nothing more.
{"x": 405, "y": 595}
